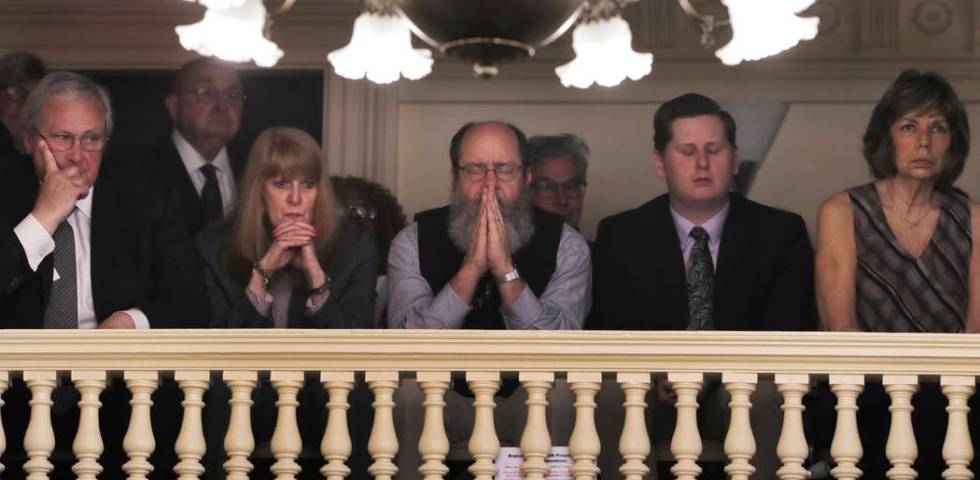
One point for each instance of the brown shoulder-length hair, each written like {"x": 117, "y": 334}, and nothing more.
{"x": 290, "y": 153}
{"x": 915, "y": 92}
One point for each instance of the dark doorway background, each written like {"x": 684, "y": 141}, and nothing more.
{"x": 275, "y": 97}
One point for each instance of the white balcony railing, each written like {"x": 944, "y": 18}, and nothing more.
{"x": 790, "y": 360}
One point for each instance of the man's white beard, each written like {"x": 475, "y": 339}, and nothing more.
{"x": 518, "y": 218}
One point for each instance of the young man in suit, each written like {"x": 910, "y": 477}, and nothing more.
{"x": 701, "y": 257}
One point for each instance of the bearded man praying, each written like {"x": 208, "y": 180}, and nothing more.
{"x": 489, "y": 260}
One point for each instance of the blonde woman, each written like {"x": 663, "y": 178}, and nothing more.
{"x": 286, "y": 261}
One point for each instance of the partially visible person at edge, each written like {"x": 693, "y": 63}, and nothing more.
{"x": 373, "y": 208}
{"x": 20, "y": 72}
{"x": 897, "y": 255}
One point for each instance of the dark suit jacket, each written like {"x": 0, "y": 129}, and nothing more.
{"x": 163, "y": 165}
{"x": 141, "y": 256}
{"x": 353, "y": 272}
{"x": 763, "y": 280}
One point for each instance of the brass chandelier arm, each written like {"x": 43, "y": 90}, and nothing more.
{"x": 708, "y": 23}
{"x": 286, "y": 5}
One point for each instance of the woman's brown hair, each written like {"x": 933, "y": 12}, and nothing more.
{"x": 290, "y": 153}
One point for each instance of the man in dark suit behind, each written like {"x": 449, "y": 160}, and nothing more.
{"x": 701, "y": 257}
{"x": 205, "y": 106}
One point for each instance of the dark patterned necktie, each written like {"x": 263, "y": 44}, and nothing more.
{"x": 700, "y": 283}
{"x": 211, "y": 195}
{"x": 62, "y": 309}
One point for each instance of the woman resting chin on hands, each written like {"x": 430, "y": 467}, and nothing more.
{"x": 286, "y": 260}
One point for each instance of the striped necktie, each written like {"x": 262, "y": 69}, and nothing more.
{"x": 62, "y": 309}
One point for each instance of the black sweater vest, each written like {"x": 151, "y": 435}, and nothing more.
{"x": 440, "y": 259}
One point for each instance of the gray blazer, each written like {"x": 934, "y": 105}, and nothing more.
{"x": 353, "y": 273}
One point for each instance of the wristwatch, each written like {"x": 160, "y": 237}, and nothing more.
{"x": 508, "y": 277}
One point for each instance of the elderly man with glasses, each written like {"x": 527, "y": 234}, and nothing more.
{"x": 488, "y": 260}
{"x": 558, "y": 165}
{"x": 205, "y": 106}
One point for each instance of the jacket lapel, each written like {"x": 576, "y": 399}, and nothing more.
{"x": 734, "y": 254}
{"x": 106, "y": 225}
{"x": 668, "y": 287}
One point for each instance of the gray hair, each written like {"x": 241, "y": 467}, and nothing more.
{"x": 67, "y": 85}
{"x": 542, "y": 148}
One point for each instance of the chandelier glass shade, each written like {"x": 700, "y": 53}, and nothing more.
{"x": 381, "y": 50}
{"x": 762, "y": 28}
{"x": 234, "y": 33}
{"x": 604, "y": 55}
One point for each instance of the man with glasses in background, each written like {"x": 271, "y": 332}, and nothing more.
{"x": 489, "y": 260}
{"x": 19, "y": 73}
{"x": 558, "y": 165}
{"x": 205, "y": 105}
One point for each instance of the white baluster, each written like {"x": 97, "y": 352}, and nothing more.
{"x": 739, "y": 442}
{"x": 584, "y": 443}
{"x": 901, "y": 449}
{"x": 536, "y": 440}
{"x": 39, "y": 438}
{"x": 484, "y": 444}
{"x": 957, "y": 448}
{"x": 433, "y": 444}
{"x": 383, "y": 444}
{"x": 88, "y": 441}
{"x": 138, "y": 442}
{"x": 336, "y": 446}
{"x": 286, "y": 443}
{"x": 190, "y": 446}
{"x": 634, "y": 443}
{"x": 685, "y": 445}
{"x": 4, "y": 383}
{"x": 792, "y": 448}
{"x": 846, "y": 447}
{"x": 239, "y": 441}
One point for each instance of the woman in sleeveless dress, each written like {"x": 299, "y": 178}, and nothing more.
{"x": 896, "y": 255}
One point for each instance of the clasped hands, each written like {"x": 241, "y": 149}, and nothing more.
{"x": 489, "y": 247}
{"x": 293, "y": 245}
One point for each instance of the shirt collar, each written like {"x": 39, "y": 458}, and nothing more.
{"x": 714, "y": 225}
{"x": 193, "y": 160}
{"x": 84, "y": 205}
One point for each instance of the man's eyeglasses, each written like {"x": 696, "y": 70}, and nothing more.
{"x": 478, "y": 171}
{"x": 210, "y": 93}
{"x": 361, "y": 212}
{"x": 573, "y": 188}
{"x": 61, "y": 142}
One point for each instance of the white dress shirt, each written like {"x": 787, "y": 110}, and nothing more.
{"x": 193, "y": 161}
{"x": 714, "y": 226}
{"x": 38, "y": 244}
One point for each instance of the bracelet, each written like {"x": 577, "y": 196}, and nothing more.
{"x": 257, "y": 266}
{"x": 321, "y": 289}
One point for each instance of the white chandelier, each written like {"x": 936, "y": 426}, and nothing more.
{"x": 493, "y": 32}
{"x": 603, "y": 50}
{"x": 380, "y": 49}
{"x": 231, "y": 30}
